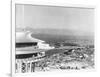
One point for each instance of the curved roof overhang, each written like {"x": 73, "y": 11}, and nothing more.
{"x": 26, "y": 37}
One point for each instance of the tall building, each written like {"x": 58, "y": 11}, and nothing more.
{"x": 28, "y": 51}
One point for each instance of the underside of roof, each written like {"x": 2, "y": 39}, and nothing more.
{"x": 26, "y": 37}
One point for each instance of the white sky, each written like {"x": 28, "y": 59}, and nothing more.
{"x": 81, "y": 19}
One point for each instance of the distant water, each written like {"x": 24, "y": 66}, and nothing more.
{"x": 60, "y": 38}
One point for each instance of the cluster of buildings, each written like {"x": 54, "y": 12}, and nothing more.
{"x": 29, "y": 51}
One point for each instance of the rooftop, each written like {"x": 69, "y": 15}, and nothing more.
{"x": 25, "y": 36}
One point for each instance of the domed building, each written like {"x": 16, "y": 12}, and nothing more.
{"x": 28, "y": 51}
